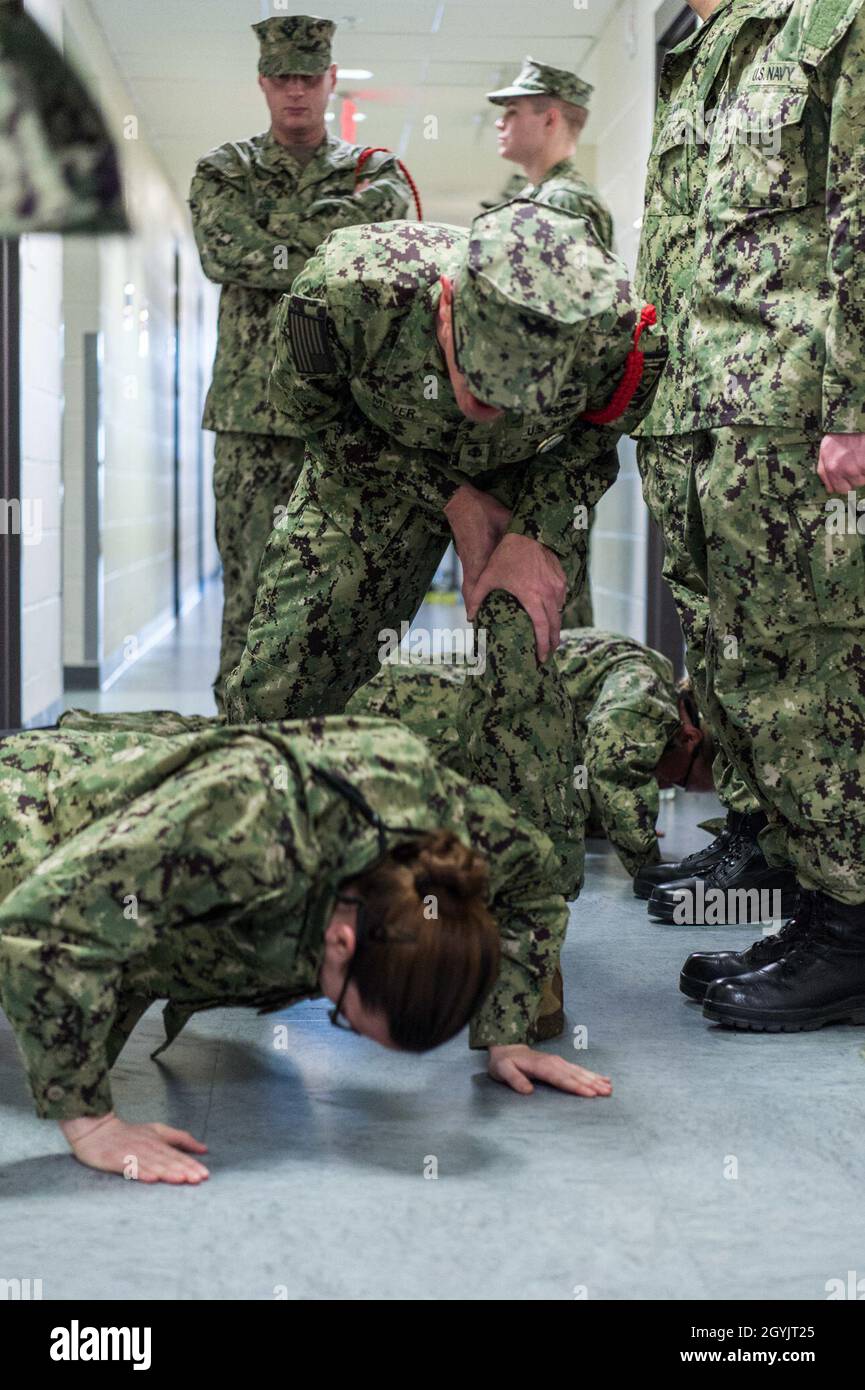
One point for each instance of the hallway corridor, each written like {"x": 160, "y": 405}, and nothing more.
{"x": 681, "y": 1186}
{"x": 174, "y": 673}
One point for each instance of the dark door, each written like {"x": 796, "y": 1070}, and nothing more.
{"x": 10, "y": 489}
{"x": 663, "y": 629}
{"x": 176, "y": 443}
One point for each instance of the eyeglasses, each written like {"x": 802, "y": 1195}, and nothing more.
{"x": 335, "y": 1014}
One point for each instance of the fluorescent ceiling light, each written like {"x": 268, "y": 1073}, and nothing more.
{"x": 353, "y": 74}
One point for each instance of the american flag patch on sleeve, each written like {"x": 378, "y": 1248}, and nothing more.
{"x": 309, "y": 334}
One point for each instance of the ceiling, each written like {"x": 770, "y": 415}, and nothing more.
{"x": 190, "y": 66}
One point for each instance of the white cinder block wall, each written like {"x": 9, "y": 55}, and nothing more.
{"x": 622, "y": 69}
{"x": 41, "y": 259}
{"x": 123, "y": 288}
{"x": 134, "y": 310}
{"x": 41, "y": 346}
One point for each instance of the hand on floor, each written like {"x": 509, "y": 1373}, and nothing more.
{"x": 515, "y": 1065}
{"x": 145, "y": 1153}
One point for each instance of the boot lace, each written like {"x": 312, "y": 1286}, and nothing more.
{"x": 701, "y": 853}
{"x": 790, "y": 933}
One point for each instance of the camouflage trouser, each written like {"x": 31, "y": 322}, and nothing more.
{"x": 579, "y": 611}
{"x": 785, "y": 641}
{"x": 345, "y": 567}
{"x": 620, "y": 745}
{"x": 668, "y": 489}
{"x": 252, "y": 475}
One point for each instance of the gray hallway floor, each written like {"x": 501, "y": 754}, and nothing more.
{"x": 723, "y": 1166}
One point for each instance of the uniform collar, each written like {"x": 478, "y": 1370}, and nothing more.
{"x": 329, "y": 155}
{"x": 756, "y": 9}
{"x": 766, "y": 9}
{"x": 701, "y": 30}
{"x": 566, "y": 167}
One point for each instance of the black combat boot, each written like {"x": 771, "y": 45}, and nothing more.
{"x": 741, "y": 870}
{"x": 652, "y": 876}
{"x": 820, "y": 979}
{"x": 703, "y": 968}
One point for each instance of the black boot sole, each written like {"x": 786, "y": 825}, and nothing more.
{"x": 799, "y": 1021}
{"x": 665, "y": 914}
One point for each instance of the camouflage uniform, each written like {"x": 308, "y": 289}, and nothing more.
{"x": 625, "y": 705}
{"x": 563, "y": 186}
{"x": 767, "y": 359}
{"x": 258, "y": 212}
{"x": 60, "y": 169}
{"x": 388, "y": 447}
{"x": 202, "y": 868}
{"x": 691, "y": 83}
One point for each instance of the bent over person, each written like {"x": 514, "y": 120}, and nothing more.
{"x": 266, "y": 866}
{"x": 449, "y": 385}
{"x": 259, "y": 208}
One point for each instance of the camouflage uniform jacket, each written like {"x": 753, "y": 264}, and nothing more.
{"x": 384, "y": 413}
{"x": 257, "y": 215}
{"x": 774, "y": 321}
{"x": 675, "y": 182}
{"x": 202, "y": 867}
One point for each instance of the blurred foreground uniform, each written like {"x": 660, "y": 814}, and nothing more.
{"x": 625, "y": 705}
{"x": 203, "y": 867}
{"x": 259, "y": 210}
{"x": 59, "y": 167}
{"x": 360, "y": 373}
{"x": 563, "y": 186}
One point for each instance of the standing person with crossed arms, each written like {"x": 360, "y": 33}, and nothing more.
{"x": 260, "y": 207}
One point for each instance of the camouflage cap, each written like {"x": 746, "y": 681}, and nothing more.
{"x": 533, "y": 281}
{"x": 540, "y": 80}
{"x": 295, "y": 43}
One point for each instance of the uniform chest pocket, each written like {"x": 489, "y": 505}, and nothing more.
{"x": 671, "y": 167}
{"x": 764, "y": 148}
